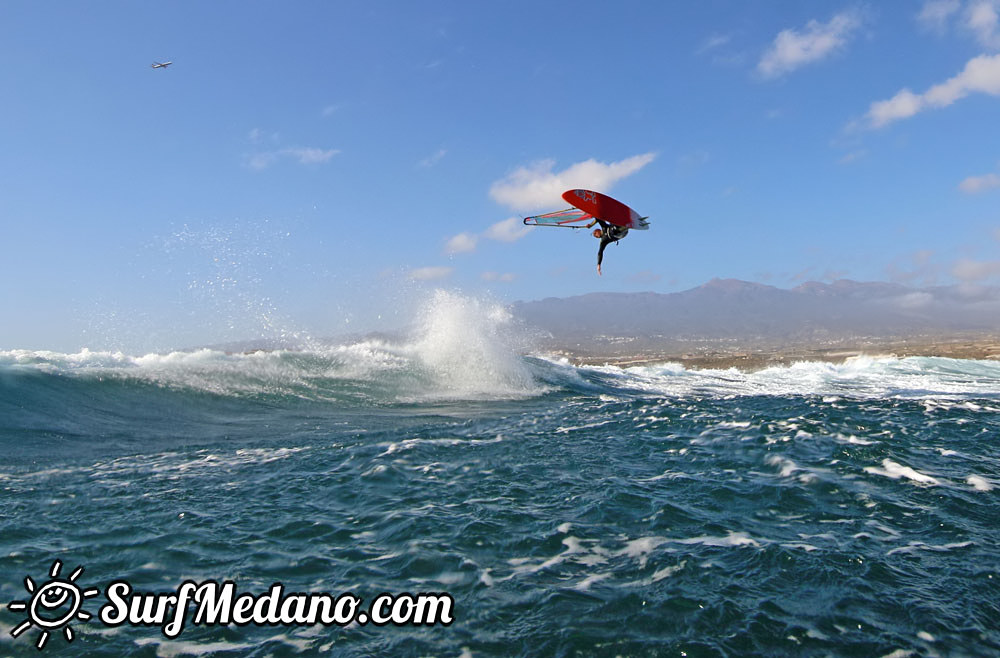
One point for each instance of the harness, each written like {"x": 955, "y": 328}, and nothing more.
{"x": 615, "y": 233}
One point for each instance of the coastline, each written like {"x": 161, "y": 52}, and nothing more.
{"x": 750, "y": 357}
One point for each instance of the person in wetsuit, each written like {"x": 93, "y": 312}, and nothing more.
{"x": 607, "y": 233}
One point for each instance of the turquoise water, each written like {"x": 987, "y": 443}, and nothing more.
{"x": 810, "y": 510}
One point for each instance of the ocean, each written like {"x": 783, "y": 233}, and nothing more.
{"x": 816, "y": 509}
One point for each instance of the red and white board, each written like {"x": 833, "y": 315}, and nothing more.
{"x": 604, "y": 207}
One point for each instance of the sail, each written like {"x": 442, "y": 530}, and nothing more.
{"x": 571, "y": 217}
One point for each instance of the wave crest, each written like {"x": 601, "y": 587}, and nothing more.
{"x": 461, "y": 348}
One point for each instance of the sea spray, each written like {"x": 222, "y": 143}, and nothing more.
{"x": 472, "y": 348}
{"x": 207, "y": 282}
{"x": 459, "y": 347}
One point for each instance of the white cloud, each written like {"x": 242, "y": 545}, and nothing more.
{"x": 508, "y": 230}
{"x": 305, "y": 155}
{"x": 537, "y": 186}
{"x": 980, "y": 17}
{"x": 793, "y": 49}
{"x": 853, "y": 156}
{"x": 975, "y": 270}
{"x": 461, "y": 243}
{"x": 901, "y": 106}
{"x": 714, "y": 41}
{"x": 983, "y": 20}
{"x": 914, "y": 300}
{"x": 506, "y": 277}
{"x": 261, "y": 160}
{"x": 430, "y": 273}
{"x": 258, "y": 136}
{"x": 917, "y": 267}
{"x": 309, "y": 155}
{"x": 974, "y": 184}
{"x": 935, "y": 13}
{"x": 980, "y": 75}
{"x": 433, "y": 158}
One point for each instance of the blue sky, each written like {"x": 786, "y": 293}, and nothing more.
{"x": 315, "y": 167}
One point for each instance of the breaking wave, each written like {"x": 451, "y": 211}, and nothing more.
{"x": 460, "y": 348}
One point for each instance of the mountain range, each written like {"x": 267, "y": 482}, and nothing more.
{"x": 758, "y": 315}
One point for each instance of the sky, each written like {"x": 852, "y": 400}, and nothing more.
{"x": 315, "y": 168}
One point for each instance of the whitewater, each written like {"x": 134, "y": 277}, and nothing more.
{"x": 814, "y": 509}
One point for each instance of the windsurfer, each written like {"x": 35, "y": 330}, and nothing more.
{"x": 608, "y": 233}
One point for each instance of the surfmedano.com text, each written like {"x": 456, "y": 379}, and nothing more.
{"x": 218, "y": 604}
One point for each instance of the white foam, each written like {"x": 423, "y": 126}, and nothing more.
{"x": 641, "y": 548}
{"x": 576, "y": 550}
{"x": 448, "y": 578}
{"x": 376, "y": 470}
{"x": 176, "y": 648}
{"x": 921, "y": 546}
{"x": 808, "y": 548}
{"x": 48, "y": 361}
{"x": 469, "y": 348}
{"x": 787, "y": 465}
{"x": 462, "y": 348}
{"x": 853, "y": 440}
{"x": 585, "y": 584}
{"x": 409, "y": 444}
{"x": 896, "y": 471}
{"x": 898, "y": 653}
{"x": 174, "y": 465}
{"x": 665, "y": 475}
{"x": 733, "y": 539}
{"x": 573, "y": 428}
{"x": 979, "y": 483}
{"x": 666, "y": 572}
{"x": 940, "y": 380}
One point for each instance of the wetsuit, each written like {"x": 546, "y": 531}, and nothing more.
{"x": 610, "y": 233}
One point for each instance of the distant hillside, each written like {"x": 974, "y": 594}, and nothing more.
{"x": 754, "y": 314}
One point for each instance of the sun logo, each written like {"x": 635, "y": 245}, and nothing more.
{"x": 53, "y": 605}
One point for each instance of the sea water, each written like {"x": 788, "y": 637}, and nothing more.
{"x": 816, "y": 509}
